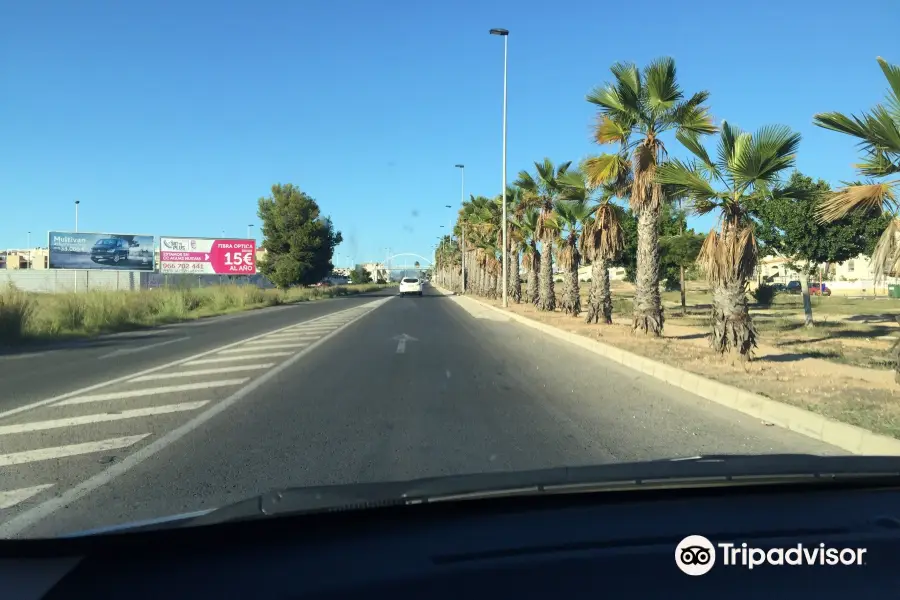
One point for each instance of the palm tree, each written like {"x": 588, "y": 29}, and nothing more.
{"x": 748, "y": 167}
{"x": 635, "y": 109}
{"x": 531, "y": 256}
{"x": 515, "y": 237}
{"x": 543, "y": 190}
{"x": 602, "y": 237}
{"x": 879, "y": 134}
{"x": 566, "y": 223}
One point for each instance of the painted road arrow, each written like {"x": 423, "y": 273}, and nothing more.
{"x": 401, "y": 342}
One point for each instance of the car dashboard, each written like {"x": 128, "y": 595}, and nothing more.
{"x": 559, "y": 546}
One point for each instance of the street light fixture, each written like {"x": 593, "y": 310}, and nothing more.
{"x": 505, "y": 34}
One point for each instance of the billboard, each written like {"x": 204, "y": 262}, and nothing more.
{"x": 103, "y": 251}
{"x": 207, "y": 256}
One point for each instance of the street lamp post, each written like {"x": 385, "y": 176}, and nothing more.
{"x": 249, "y": 226}
{"x": 462, "y": 238}
{"x": 505, "y": 34}
{"x": 77, "y": 202}
{"x": 29, "y": 249}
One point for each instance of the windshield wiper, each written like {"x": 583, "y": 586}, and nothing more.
{"x": 698, "y": 470}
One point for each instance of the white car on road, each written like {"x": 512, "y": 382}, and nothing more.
{"x": 410, "y": 285}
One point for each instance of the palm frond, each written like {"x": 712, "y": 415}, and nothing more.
{"x": 611, "y": 131}
{"x": 685, "y": 179}
{"x": 860, "y": 196}
{"x": 662, "y": 91}
{"x": 886, "y": 256}
{"x": 759, "y": 159}
{"x": 729, "y": 255}
{"x": 604, "y": 168}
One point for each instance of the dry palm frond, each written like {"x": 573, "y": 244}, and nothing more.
{"x": 866, "y": 197}
{"x": 609, "y": 231}
{"x": 565, "y": 256}
{"x": 886, "y": 257}
{"x": 645, "y": 192}
{"x": 729, "y": 255}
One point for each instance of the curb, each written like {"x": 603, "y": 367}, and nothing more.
{"x": 842, "y": 435}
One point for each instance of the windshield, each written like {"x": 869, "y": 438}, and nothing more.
{"x": 213, "y": 271}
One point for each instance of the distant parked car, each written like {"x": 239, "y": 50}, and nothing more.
{"x": 814, "y": 290}
{"x": 794, "y": 287}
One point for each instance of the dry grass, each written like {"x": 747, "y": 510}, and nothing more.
{"x": 25, "y": 316}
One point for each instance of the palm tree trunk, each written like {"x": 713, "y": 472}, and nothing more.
{"x": 648, "y": 311}
{"x": 546, "y": 293}
{"x": 599, "y": 299}
{"x": 515, "y": 281}
{"x": 531, "y": 287}
{"x": 571, "y": 304}
{"x": 733, "y": 329}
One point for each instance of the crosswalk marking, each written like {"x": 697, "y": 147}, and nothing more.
{"x": 212, "y": 361}
{"x": 266, "y": 346}
{"x": 101, "y": 417}
{"x": 20, "y": 458}
{"x": 185, "y": 387}
{"x": 198, "y": 372}
{"x": 10, "y": 498}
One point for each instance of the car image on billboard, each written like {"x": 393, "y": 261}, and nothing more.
{"x": 101, "y": 251}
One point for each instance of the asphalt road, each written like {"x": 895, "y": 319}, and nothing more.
{"x": 364, "y": 389}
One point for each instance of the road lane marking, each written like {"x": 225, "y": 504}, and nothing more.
{"x": 212, "y": 361}
{"x": 21, "y": 458}
{"x": 292, "y": 336}
{"x": 265, "y": 346}
{"x": 198, "y": 372}
{"x": 125, "y": 351}
{"x": 101, "y": 417}
{"x": 29, "y": 517}
{"x": 401, "y": 342}
{"x": 10, "y": 498}
{"x": 103, "y": 384}
{"x": 166, "y": 389}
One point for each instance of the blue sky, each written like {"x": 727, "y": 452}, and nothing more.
{"x": 174, "y": 117}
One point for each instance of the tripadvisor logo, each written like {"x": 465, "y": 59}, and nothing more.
{"x": 696, "y": 555}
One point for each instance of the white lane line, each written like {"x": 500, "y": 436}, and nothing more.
{"x": 29, "y": 517}
{"x": 212, "y": 361}
{"x": 174, "y": 363}
{"x": 292, "y": 336}
{"x": 29, "y": 456}
{"x": 198, "y": 372}
{"x": 10, "y": 498}
{"x": 317, "y": 330}
{"x": 125, "y": 351}
{"x": 298, "y": 334}
{"x": 101, "y": 417}
{"x": 273, "y": 340}
{"x": 167, "y": 389}
{"x": 267, "y": 346}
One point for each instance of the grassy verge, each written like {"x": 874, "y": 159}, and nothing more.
{"x": 27, "y": 316}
